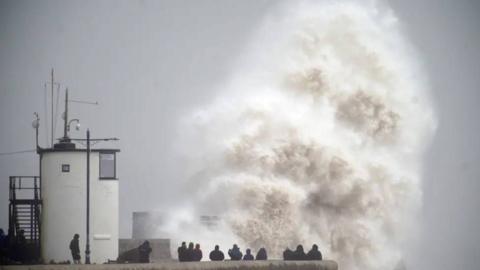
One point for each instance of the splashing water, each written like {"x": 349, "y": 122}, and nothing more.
{"x": 318, "y": 138}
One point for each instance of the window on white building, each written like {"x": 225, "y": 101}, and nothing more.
{"x": 65, "y": 167}
{"x": 108, "y": 165}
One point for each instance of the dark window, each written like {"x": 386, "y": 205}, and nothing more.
{"x": 65, "y": 167}
{"x": 108, "y": 165}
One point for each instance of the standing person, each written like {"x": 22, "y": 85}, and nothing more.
{"x": 261, "y": 255}
{"x": 144, "y": 251}
{"x": 216, "y": 254}
{"x": 197, "y": 253}
{"x": 248, "y": 255}
{"x": 75, "y": 249}
{"x": 235, "y": 253}
{"x": 181, "y": 252}
{"x": 314, "y": 254}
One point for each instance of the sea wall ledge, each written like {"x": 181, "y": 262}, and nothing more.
{"x": 225, "y": 265}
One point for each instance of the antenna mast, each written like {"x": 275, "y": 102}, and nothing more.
{"x": 51, "y": 142}
{"x": 65, "y": 137}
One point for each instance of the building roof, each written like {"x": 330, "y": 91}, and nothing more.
{"x": 51, "y": 150}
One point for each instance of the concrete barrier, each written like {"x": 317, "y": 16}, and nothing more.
{"x": 225, "y": 265}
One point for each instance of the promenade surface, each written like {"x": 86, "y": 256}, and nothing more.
{"x": 225, "y": 265}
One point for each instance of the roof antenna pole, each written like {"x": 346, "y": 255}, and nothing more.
{"x": 65, "y": 135}
{"x": 51, "y": 142}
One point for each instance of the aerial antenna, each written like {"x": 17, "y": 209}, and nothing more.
{"x": 56, "y": 109}
{"x": 45, "y": 94}
{"x": 65, "y": 136}
{"x": 52, "y": 122}
{"x": 52, "y": 82}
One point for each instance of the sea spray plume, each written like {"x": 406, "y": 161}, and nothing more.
{"x": 318, "y": 140}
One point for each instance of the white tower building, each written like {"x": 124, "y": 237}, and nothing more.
{"x": 63, "y": 174}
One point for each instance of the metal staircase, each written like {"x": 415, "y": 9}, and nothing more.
{"x": 24, "y": 214}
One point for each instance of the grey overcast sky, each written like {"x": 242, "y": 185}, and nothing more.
{"x": 148, "y": 63}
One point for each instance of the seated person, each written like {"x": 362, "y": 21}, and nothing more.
{"x": 189, "y": 253}
{"x": 197, "y": 253}
{"x": 140, "y": 254}
{"x": 144, "y": 251}
{"x": 261, "y": 254}
{"x": 235, "y": 253}
{"x": 314, "y": 254}
{"x": 248, "y": 256}
{"x": 288, "y": 254}
{"x": 299, "y": 254}
{"x": 181, "y": 252}
{"x": 217, "y": 254}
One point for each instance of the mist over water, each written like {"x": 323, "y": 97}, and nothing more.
{"x": 317, "y": 137}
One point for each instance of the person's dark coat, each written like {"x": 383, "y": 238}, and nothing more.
{"x": 261, "y": 254}
{"x": 3, "y": 244}
{"x": 189, "y": 253}
{"x": 235, "y": 253}
{"x": 130, "y": 256}
{"x": 314, "y": 254}
{"x": 288, "y": 254}
{"x": 182, "y": 250}
{"x": 197, "y": 253}
{"x": 75, "y": 248}
{"x": 10, "y": 244}
{"x": 20, "y": 247}
{"x": 299, "y": 254}
{"x": 248, "y": 255}
{"x": 144, "y": 251}
{"x": 21, "y": 239}
{"x": 217, "y": 254}
{"x": 3, "y": 239}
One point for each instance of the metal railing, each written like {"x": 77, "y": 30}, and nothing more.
{"x": 25, "y": 183}
{"x": 25, "y": 209}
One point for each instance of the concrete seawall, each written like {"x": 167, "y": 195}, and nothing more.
{"x": 225, "y": 265}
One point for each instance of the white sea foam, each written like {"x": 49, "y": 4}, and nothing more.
{"x": 317, "y": 138}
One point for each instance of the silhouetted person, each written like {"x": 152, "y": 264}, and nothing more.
{"x": 248, "y": 255}
{"x": 3, "y": 247}
{"x": 197, "y": 253}
{"x": 299, "y": 254}
{"x": 189, "y": 253}
{"x": 261, "y": 254}
{"x": 11, "y": 245}
{"x": 140, "y": 254}
{"x": 144, "y": 251}
{"x": 235, "y": 253}
{"x": 21, "y": 238}
{"x": 75, "y": 249}
{"x": 217, "y": 254}
{"x": 182, "y": 250}
{"x": 21, "y": 246}
{"x": 288, "y": 254}
{"x": 314, "y": 254}
{"x": 3, "y": 238}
